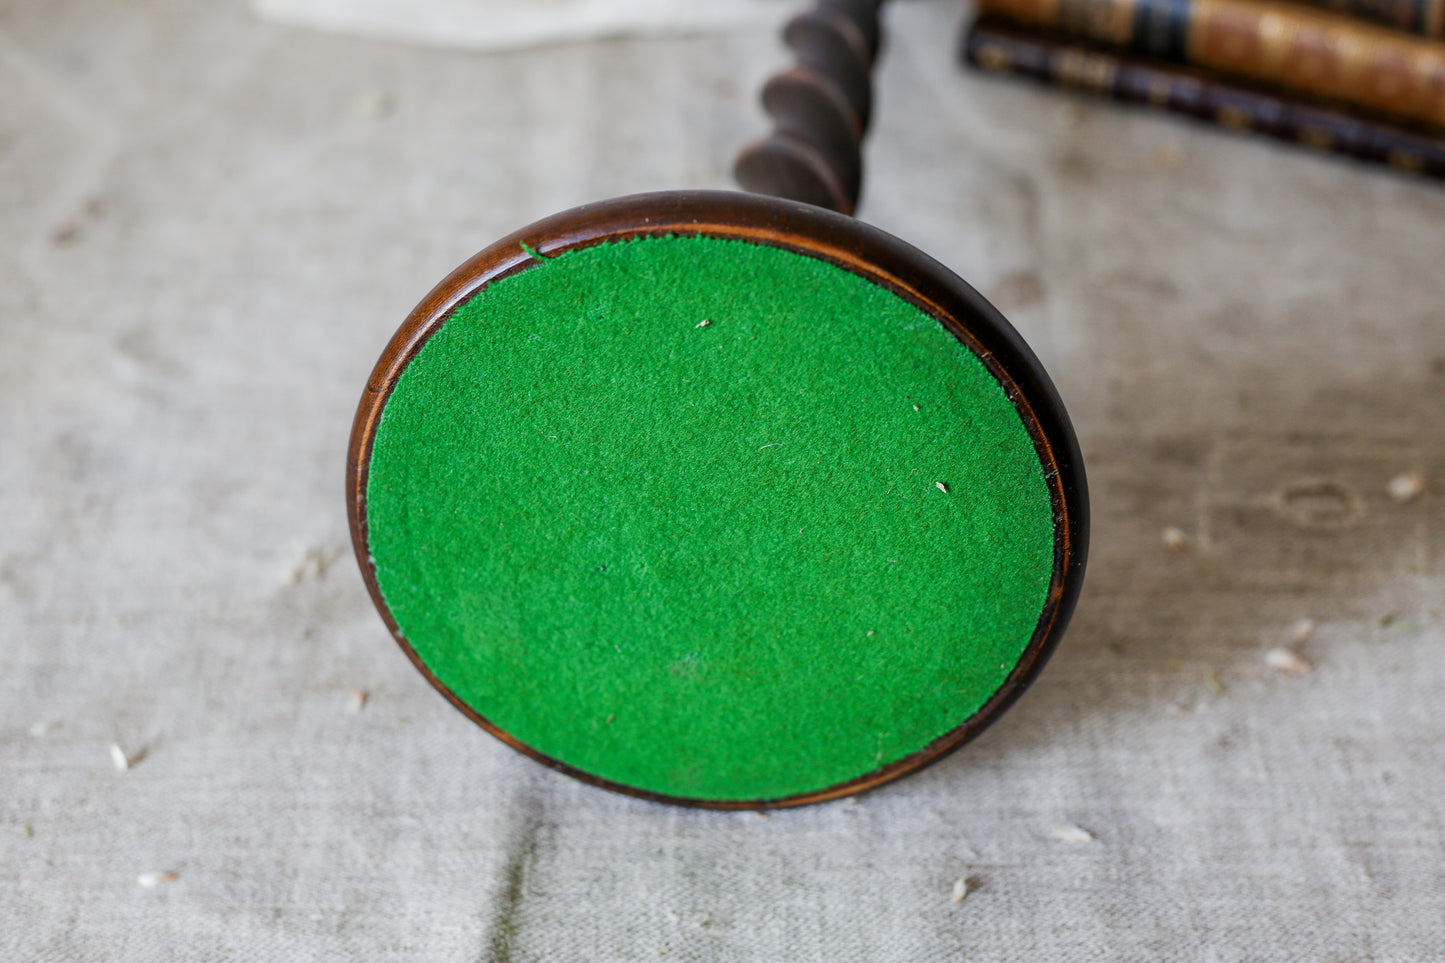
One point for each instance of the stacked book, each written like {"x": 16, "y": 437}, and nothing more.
{"x": 1358, "y": 77}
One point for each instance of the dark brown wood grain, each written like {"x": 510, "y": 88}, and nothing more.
{"x": 847, "y": 243}
{"x": 820, "y": 109}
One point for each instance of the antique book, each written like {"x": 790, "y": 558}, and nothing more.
{"x": 1293, "y": 47}
{"x": 1423, "y": 17}
{"x": 997, "y": 45}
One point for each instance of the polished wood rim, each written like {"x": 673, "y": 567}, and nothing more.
{"x": 849, "y": 244}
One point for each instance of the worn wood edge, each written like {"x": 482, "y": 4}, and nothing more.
{"x": 847, "y": 243}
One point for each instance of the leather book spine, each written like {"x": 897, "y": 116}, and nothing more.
{"x": 998, "y": 46}
{"x": 1292, "y": 47}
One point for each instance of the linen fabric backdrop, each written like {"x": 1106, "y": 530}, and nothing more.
{"x": 209, "y": 227}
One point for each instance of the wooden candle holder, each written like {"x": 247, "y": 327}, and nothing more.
{"x": 820, "y": 109}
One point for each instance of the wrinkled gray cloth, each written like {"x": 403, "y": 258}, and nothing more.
{"x": 209, "y": 227}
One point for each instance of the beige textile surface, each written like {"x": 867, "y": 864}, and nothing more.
{"x": 209, "y": 227}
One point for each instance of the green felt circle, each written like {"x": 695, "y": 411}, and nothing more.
{"x": 669, "y": 511}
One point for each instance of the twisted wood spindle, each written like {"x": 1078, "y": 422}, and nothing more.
{"x": 819, "y": 108}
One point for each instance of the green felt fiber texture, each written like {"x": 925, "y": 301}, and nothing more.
{"x": 672, "y": 511}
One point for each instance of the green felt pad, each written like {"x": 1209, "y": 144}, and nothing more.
{"x": 708, "y": 560}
